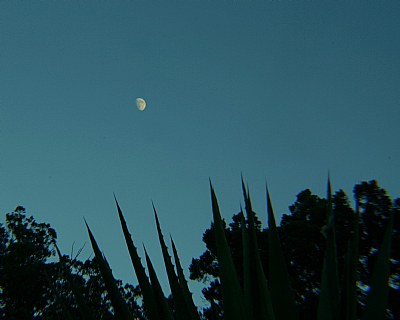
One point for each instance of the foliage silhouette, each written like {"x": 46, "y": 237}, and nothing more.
{"x": 34, "y": 286}
{"x": 249, "y": 259}
{"x": 302, "y": 235}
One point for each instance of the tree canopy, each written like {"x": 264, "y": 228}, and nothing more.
{"x": 36, "y": 284}
{"x": 302, "y": 234}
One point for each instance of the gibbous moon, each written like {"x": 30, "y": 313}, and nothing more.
{"x": 140, "y": 104}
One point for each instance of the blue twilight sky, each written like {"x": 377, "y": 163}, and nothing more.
{"x": 282, "y": 91}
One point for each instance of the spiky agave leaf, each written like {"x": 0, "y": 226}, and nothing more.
{"x": 329, "y": 298}
{"x": 149, "y": 302}
{"x": 348, "y": 303}
{"x": 231, "y": 292}
{"x": 246, "y": 267}
{"x": 260, "y": 295}
{"x": 184, "y": 285}
{"x": 118, "y": 303}
{"x": 162, "y": 304}
{"x": 80, "y": 300}
{"x": 282, "y": 293}
{"x": 181, "y": 308}
{"x": 377, "y": 299}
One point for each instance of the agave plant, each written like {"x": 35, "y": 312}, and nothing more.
{"x": 261, "y": 298}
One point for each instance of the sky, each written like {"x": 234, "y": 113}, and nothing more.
{"x": 282, "y": 92}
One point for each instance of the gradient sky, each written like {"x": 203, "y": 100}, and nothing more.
{"x": 281, "y": 91}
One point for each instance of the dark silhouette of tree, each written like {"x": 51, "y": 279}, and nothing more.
{"x": 33, "y": 283}
{"x": 376, "y": 206}
{"x": 25, "y": 248}
{"x": 303, "y": 242}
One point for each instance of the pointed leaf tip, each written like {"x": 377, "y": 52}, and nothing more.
{"x": 87, "y": 226}
{"x": 211, "y": 185}
{"x": 243, "y": 186}
{"x": 154, "y": 208}
{"x": 116, "y": 201}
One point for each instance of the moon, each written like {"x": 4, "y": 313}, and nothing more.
{"x": 140, "y": 104}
